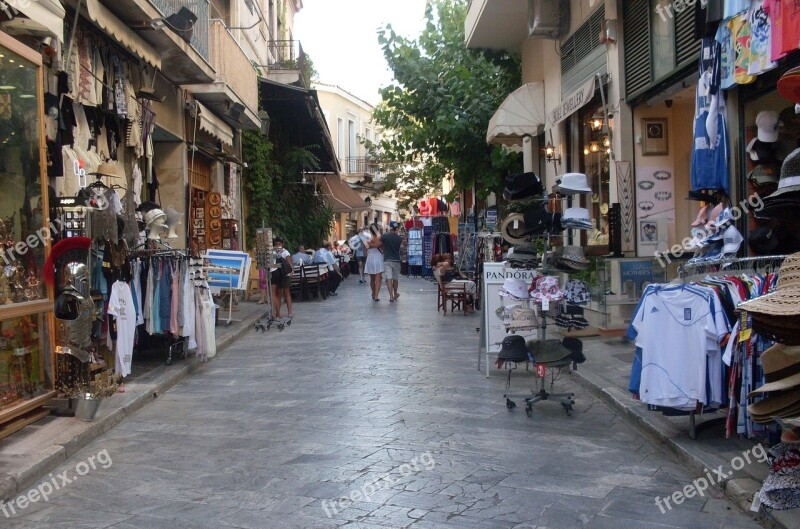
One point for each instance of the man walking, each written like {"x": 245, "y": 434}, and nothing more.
{"x": 391, "y": 259}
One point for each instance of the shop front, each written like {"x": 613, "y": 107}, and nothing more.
{"x": 26, "y": 351}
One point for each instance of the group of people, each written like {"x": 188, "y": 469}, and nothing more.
{"x": 378, "y": 255}
{"x": 281, "y": 277}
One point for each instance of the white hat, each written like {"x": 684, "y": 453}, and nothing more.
{"x": 767, "y": 122}
{"x": 576, "y": 213}
{"x": 732, "y": 240}
{"x": 574, "y": 183}
{"x": 514, "y": 289}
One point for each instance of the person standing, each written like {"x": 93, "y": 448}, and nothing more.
{"x": 374, "y": 264}
{"x": 360, "y": 249}
{"x": 391, "y": 259}
{"x": 281, "y": 281}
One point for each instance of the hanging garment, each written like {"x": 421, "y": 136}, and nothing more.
{"x": 760, "y": 35}
{"x": 189, "y": 330}
{"x": 121, "y": 307}
{"x": 174, "y": 300}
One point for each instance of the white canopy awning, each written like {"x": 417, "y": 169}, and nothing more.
{"x": 214, "y": 125}
{"x": 117, "y": 29}
{"x": 520, "y": 114}
{"x": 44, "y": 16}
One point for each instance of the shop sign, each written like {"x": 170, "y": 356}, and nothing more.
{"x": 569, "y": 105}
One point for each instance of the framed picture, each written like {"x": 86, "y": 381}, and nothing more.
{"x": 199, "y": 224}
{"x": 654, "y": 137}
{"x": 200, "y": 232}
{"x": 199, "y": 213}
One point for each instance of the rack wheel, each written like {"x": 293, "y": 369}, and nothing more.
{"x": 529, "y": 410}
{"x": 289, "y": 321}
{"x": 281, "y": 326}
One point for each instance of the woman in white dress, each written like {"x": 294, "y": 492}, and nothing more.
{"x": 374, "y": 265}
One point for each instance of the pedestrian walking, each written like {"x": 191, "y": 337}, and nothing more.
{"x": 281, "y": 279}
{"x": 391, "y": 259}
{"x": 374, "y": 264}
{"x": 360, "y": 251}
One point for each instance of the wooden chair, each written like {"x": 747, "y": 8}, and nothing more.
{"x": 315, "y": 283}
{"x": 298, "y": 283}
{"x": 455, "y": 294}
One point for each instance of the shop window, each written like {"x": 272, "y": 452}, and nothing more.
{"x": 595, "y": 164}
{"x": 26, "y": 370}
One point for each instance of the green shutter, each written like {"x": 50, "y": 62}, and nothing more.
{"x": 636, "y": 28}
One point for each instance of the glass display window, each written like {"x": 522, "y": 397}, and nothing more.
{"x": 594, "y": 156}
{"x": 23, "y": 237}
{"x": 24, "y": 370}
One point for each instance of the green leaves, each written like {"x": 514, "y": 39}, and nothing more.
{"x": 440, "y": 105}
{"x": 276, "y": 199}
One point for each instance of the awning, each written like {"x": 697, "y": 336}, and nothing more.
{"x": 568, "y": 106}
{"x": 342, "y": 199}
{"x": 117, "y": 29}
{"x": 45, "y": 15}
{"x": 520, "y": 114}
{"x": 214, "y": 125}
{"x": 297, "y": 120}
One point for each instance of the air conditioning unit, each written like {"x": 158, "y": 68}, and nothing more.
{"x": 548, "y": 19}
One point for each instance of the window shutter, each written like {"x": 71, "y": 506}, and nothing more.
{"x": 581, "y": 43}
{"x": 687, "y": 47}
{"x": 636, "y": 24}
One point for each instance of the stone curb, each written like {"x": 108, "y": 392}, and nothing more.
{"x": 19, "y": 483}
{"x": 739, "y": 490}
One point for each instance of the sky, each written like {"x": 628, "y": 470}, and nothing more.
{"x": 340, "y": 37}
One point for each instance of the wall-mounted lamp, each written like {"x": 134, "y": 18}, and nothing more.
{"x": 265, "y": 122}
{"x": 606, "y": 142}
{"x": 586, "y": 151}
{"x": 594, "y": 147}
{"x": 596, "y": 122}
{"x": 550, "y": 153}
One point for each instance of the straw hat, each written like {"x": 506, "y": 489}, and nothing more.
{"x": 107, "y": 169}
{"x": 781, "y": 369}
{"x": 776, "y": 406}
{"x": 785, "y": 300}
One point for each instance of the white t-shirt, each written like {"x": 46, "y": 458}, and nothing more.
{"x": 674, "y": 330}
{"x": 120, "y": 305}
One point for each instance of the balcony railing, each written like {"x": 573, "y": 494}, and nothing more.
{"x": 232, "y": 65}
{"x": 366, "y": 166}
{"x": 197, "y": 34}
{"x": 284, "y": 54}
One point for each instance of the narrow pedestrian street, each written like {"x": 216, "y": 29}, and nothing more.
{"x": 381, "y": 403}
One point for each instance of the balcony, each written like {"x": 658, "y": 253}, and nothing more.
{"x": 286, "y": 59}
{"x": 233, "y": 94}
{"x": 183, "y": 45}
{"x": 496, "y": 24}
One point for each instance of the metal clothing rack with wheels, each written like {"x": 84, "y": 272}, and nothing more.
{"x": 691, "y": 271}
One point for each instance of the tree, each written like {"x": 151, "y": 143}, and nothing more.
{"x": 439, "y": 107}
{"x": 277, "y": 199}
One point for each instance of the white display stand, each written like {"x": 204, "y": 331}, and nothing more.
{"x": 493, "y": 331}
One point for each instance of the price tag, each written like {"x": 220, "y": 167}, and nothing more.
{"x": 745, "y": 331}
{"x": 545, "y": 304}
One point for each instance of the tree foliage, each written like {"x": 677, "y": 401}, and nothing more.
{"x": 277, "y": 199}
{"x": 439, "y": 106}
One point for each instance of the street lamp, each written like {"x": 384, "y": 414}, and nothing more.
{"x": 596, "y": 122}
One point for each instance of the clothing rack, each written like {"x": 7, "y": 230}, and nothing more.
{"x": 725, "y": 266}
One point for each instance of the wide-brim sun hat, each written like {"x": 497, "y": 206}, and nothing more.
{"x": 785, "y": 300}
{"x": 575, "y": 214}
{"x": 548, "y": 351}
{"x": 573, "y": 183}
{"x": 513, "y": 228}
{"x": 514, "y": 289}
{"x": 781, "y": 369}
{"x": 789, "y": 180}
{"x": 111, "y": 170}
{"x": 776, "y": 404}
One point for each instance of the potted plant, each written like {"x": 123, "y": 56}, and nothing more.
{"x": 86, "y": 398}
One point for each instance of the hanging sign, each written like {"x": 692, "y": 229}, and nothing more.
{"x": 568, "y": 106}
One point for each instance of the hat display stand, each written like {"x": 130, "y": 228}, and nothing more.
{"x": 545, "y": 307}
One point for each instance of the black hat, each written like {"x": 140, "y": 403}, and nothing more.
{"x": 277, "y": 239}
{"x": 513, "y": 349}
{"x": 701, "y": 196}
{"x": 522, "y": 185}
{"x": 763, "y": 240}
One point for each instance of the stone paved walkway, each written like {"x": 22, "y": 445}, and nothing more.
{"x": 359, "y": 399}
